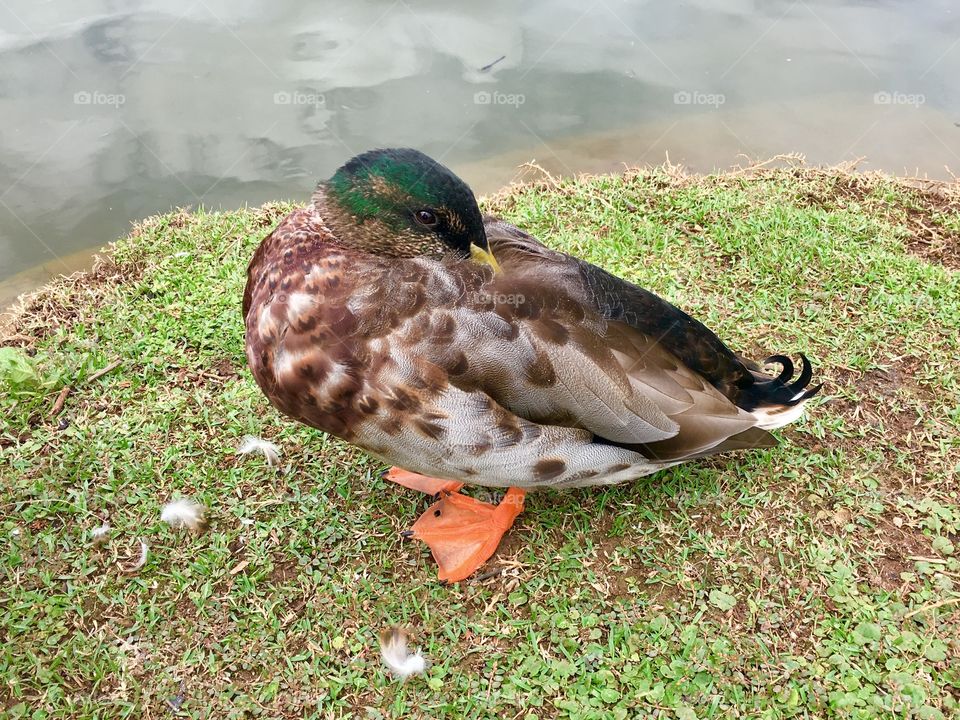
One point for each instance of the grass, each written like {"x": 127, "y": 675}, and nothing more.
{"x": 816, "y": 579}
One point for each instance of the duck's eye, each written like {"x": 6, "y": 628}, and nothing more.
{"x": 427, "y": 218}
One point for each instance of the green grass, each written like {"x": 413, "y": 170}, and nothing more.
{"x": 817, "y": 579}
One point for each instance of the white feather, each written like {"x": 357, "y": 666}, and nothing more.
{"x": 776, "y": 417}
{"x": 100, "y": 534}
{"x": 183, "y": 512}
{"x": 141, "y": 561}
{"x": 269, "y": 450}
{"x": 393, "y": 650}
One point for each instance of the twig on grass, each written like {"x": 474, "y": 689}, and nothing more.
{"x": 58, "y": 404}
{"x": 67, "y": 389}
{"x": 103, "y": 371}
{"x": 489, "y": 574}
{"x": 933, "y": 606}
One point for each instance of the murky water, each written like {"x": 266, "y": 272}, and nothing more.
{"x": 112, "y": 110}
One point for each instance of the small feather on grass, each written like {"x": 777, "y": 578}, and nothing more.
{"x": 256, "y": 445}
{"x": 401, "y": 662}
{"x": 100, "y": 534}
{"x": 141, "y": 561}
{"x": 183, "y": 512}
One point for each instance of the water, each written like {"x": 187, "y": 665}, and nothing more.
{"x": 113, "y": 110}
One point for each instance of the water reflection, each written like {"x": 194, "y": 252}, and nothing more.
{"x": 115, "y": 110}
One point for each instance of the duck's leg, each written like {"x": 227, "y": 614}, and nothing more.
{"x": 464, "y": 532}
{"x": 428, "y": 485}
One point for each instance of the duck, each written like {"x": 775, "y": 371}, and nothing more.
{"x": 459, "y": 350}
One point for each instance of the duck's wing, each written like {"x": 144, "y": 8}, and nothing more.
{"x": 624, "y": 305}
{"x": 739, "y": 379}
{"x": 717, "y": 400}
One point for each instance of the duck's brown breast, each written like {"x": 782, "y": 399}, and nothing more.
{"x": 325, "y": 325}
{"x": 302, "y": 342}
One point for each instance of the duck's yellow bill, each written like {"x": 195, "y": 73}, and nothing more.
{"x": 478, "y": 254}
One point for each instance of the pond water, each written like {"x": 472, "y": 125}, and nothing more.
{"x": 111, "y": 111}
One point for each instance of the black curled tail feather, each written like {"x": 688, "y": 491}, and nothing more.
{"x": 782, "y": 390}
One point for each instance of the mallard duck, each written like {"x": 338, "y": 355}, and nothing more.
{"x": 455, "y": 347}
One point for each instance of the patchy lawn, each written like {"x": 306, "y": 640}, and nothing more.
{"x": 817, "y": 579}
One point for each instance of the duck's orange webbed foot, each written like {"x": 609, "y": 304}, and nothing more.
{"x": 428, "y": 485}
{"x": 464, "y": 532}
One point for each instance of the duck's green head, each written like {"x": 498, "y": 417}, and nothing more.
{"x": 400, "y": 203}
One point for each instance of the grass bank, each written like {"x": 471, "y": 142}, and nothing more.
{"x": 817, "y": 579}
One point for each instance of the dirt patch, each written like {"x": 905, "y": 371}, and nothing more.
{"x": 886, "y": 574}
{"x": 926, "y": 235}
{"x": 875, "y": 391}
{"x": 215, "y": 373}
{"x": 61, "y": 303}
{"x": 283, "y": 571}
{"x": 929, "y": 239}
{"x": 831, "y": 190}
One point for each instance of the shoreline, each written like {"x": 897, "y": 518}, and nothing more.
{"x": 17, "y": 285}
{"x": 526, "y": 173}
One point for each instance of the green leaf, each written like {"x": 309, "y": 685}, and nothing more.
{"x": 661, "y": 625}
{"x": 16, "y": 369}
{"x": 942, "y": 545}
{"x": 609, "y": 695}
{"x": 866, "y": 632}
{"x": 518, "y": 597}
{"x": 936, "y": 651}
{"x": 724, "y": 601}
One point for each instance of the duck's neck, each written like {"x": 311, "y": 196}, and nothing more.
{"x": 335, "y": 218}
{"x": 369, "y": 235}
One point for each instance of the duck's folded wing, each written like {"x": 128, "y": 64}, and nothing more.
{"x": 621, "y": 302}
{"x": 655, "y": 354}
{"x": 708, "y": 422}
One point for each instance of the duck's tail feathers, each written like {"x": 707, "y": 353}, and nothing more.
{"x": 778, "y": 401}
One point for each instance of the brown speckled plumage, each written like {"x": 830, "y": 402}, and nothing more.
{"x": 549, "y": 373}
